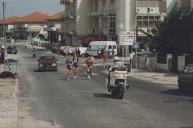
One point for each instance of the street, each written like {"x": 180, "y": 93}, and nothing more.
{"x": 49, "y": 100}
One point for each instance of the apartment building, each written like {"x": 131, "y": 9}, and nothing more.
{"x": 102, "y": 18}
{"x": 148, "y": 12}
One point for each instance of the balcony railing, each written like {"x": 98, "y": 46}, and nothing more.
{"x": 103, "y": 12}
{"x": 67, "y": 1}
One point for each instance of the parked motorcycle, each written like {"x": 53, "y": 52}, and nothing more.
{"x": 117, "y": 80}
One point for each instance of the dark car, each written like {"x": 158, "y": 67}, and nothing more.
{"x": 47, "y": 63}
{"x": 185, "y": 78}
{"x": 11, "y": 50}
{"x": 55, "y": 47}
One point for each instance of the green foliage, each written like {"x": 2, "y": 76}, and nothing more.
{"x": 173, "y": 35}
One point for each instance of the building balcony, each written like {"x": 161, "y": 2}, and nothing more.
{"x": 103, "y": 12}
{"x": 67, "y": 1}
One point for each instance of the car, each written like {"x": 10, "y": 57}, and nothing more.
{"x": 55, "y": 47}
{"x": 11, "y": 50}
{"x": 185, "y": 78}
{"x": 48, "y": 62}
{"x": 64, "y": 50}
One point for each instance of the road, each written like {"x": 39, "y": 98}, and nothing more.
{"x": 49, "y": 100}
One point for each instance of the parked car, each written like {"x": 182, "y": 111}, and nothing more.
{"x": 64, "y": 50}
{"x": 185, "y": 78}
{"x": 55, "y": 47}
{"x": 11, "y": 50}
{"x": 47, "y": 63}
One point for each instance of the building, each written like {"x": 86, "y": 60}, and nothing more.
{"x": 54, "y": 27}
{"x": 25, "y": 27}
{"x": 104, "y": 19}
{"x": 148, "y": 12}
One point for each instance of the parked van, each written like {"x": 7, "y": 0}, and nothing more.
{"x": 106, "y": 45}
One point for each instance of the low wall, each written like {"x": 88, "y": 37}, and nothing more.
{"x": 149, "y": 64}
{"x": 162, "y": 67}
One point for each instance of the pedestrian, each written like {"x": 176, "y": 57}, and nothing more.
{"x": 104, "y": 59}
{"x": 2, "y": 57}
{"x": 99, "y": 52}
{"x": 113, "y": 53}
{"x": 77, "y": 52}
{"x": 102, "y": 52}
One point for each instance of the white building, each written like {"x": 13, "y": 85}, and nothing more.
{"x": 102, "y": 18}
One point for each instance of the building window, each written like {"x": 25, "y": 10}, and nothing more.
{"x": 148, "y": 9}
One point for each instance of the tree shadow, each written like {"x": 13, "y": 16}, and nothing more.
{"x": 177, "y": 92}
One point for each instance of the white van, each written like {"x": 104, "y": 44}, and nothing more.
{"x": 106, "y": 45}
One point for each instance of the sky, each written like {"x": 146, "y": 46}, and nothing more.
{"x": 25, "y": 7}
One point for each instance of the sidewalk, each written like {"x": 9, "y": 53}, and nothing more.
{"x": 168, "y": 78}
{"x": 8, "y": 102}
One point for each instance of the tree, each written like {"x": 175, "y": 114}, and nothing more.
{"x": 172, "y": 35}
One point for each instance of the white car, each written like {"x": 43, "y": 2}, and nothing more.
{"x": 64, "y": 50}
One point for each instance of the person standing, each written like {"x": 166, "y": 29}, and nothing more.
{"x": 2, "y": 57}
{"x": 99, "y": 52}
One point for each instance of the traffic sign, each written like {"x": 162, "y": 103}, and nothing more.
{"x": 136, "y": 45}
{"x": 126, "y": 37}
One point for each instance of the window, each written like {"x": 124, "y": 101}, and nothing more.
{"x": 148, "y": 9}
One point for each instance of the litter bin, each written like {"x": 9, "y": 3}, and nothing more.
{"x": 10, "y": 65}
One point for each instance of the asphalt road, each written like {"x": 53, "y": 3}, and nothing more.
{"x": 49, "y": 100}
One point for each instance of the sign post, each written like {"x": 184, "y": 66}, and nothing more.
{"x": 126, "y": 39}
{"x": 136, "y": 46}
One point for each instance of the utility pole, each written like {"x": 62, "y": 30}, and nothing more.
{"x": 3, "y": 23}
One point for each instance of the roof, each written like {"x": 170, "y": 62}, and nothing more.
{"x": 9, "y": 20}
{"x": 57, "y": 16}
{"x": 35, "y": 17}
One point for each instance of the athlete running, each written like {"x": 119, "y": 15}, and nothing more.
{"x": 89, "y": 63}
{"x": 69, "y": 66}
{"x": 75, "y": 65}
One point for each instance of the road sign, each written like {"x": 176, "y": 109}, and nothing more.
{"x": 126, "y": 37}
{"x": 136, "y": 45}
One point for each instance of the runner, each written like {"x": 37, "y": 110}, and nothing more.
{"x": 75, "y": 65}
{"x": 69, "y": 68}
{"x": 89, "y": 63}
{"x": 104, "y": 59}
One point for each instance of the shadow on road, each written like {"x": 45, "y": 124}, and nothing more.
{"x": 102, "y": 95}
{"x": 177, "y": 92}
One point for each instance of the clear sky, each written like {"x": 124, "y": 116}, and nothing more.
{"x": 25, "y": 7}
